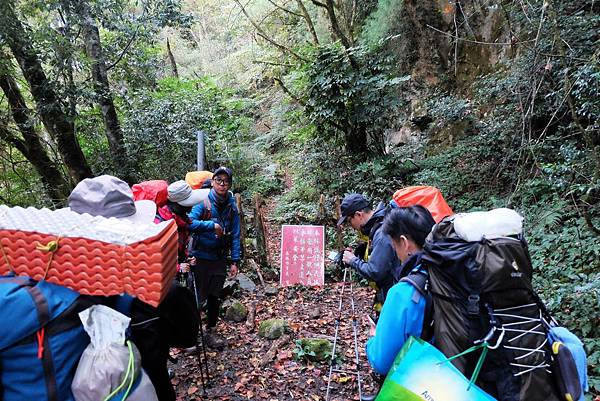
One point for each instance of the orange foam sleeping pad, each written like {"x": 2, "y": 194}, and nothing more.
{"x": 143, "y": 269}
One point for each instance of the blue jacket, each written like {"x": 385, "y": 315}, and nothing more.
{"x": 205, "y": 244}
{"x": 383, "y": 262}
{"x": 401, "y": 317}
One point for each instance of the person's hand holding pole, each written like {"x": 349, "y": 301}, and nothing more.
{"x": 372, "y": 326}
{"x": 348, "y": 256}
{"x": 233, "y": 271}
{"x": 218, "y": 230}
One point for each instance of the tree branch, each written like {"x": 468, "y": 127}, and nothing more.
{"x": 309, "y": 22}
{"x": 285, "y": 9}
{"x": 273, "y": 63}
{"x": 337, "y": 30}
{"x": 288, "y": 92}
{"x": 125, "y": 50}
{"x": 7, "y": 136}
{"x": 263, "y": 34}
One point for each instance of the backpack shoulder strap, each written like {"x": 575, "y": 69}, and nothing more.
{"x": 420, "y": 281}
{"x": 207, "y": 212}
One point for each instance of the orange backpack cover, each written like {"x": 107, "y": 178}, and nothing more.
{"x": 154, "y": 190}
{"x": 195, "y": 179}
{"x": 429, "y": 197}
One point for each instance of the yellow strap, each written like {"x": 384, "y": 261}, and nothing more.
{"x": 51, "y": 247}
{"x": 6, "y": 258}
{"x": 366, "y": 258}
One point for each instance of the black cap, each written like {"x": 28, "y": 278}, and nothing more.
{"x": 223, "y": 170}
{"x": 351, "y": 204}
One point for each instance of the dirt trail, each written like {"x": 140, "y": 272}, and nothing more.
{"x": 252, "y": 368}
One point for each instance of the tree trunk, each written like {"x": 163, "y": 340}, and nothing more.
{"x": 31, "y": 146}
{"x": 309, "y": 22}
{"x": 56, "y": 122}
{"x": 356, "y": 140}
{"x": 337, "y": 30}
{"x": 93, "y": 48}
{"x": 172, "y": 60}
{"x": 261, "y": 240}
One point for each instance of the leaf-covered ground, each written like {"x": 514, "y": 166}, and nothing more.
{"x": 249, "y": 367}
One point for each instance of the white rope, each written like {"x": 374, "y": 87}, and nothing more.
{"x": 516, "y": 317}
{"x": 526, "y": 331}
{"x": 530, "y": 351}
{"x": 515, "y": 307}
{"x": 530, "y": 368}
{"x": 530, "y": 331}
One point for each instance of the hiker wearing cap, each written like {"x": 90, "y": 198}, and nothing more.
{"x": 153, "y": 330}
{"x": 215, "y": 231}
{"x": 404, "y": 309}
{"x": 181, "y": 197}
{"x": 378, "y": 261}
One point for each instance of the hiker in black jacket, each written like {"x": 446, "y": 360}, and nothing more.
{"x": 378, "y": 262}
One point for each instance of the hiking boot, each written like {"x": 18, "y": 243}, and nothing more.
{"x": 213, "y": 340}
{"x": 368, "y": 397}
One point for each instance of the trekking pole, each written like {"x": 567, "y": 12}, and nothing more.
{"x": 355, "y": 332}
{"x": 199, "y": 353}
{"x": 332, "y": 361}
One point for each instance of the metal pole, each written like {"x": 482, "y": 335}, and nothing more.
{"x": 355, "y": 331}
{"x": 200, "y": 162}
{"x": 347, "y": 281}
{"x": 199, "y": 351}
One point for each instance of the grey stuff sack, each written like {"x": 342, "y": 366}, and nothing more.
{"x": 109, "y": 369}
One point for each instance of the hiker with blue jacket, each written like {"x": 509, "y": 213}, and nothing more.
{"x": 378, "y": 261}
{"x": 403, "y": 312}
{"x": 215, "y": 228}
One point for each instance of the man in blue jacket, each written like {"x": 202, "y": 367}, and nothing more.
{"x": 378, "y": 262}
{"x": 215, "y": 228}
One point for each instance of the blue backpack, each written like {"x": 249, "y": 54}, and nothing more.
{"x": 41, "y": 339}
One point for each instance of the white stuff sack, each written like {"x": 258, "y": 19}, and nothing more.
{"x": 496, "y": 223}
{"x": 109, "y": 366}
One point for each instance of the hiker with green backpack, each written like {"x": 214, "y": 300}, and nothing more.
{"x": 471, "y": 292}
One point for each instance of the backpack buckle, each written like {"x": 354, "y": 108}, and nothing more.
{"x": 473, "y": 305}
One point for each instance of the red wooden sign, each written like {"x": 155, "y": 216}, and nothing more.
{"x": 302, "y": 255}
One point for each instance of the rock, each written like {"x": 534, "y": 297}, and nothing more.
{"x": 271, "y": 290}
{"x": 227, "y": 303}
{"x": 229, "y": 288}
{"x": 314, "y": 349}
{"x": 272, "y": 328}
{"x": 245, "y": 282}
{"x": 314, "y": 313}
{"x": 237, "y": 312}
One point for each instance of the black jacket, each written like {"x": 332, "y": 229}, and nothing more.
{"x": 382, "y": 263}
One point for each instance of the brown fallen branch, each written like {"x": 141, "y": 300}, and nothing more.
{"x": 256, "y": 267}
{"x": 251, "y": 318}
{"x": 310, "y": 334}
{"x": 275, "y": 347}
